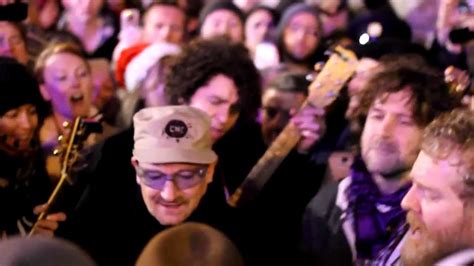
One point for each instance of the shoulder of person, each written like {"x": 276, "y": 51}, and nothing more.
{"x": 462, "y": 257}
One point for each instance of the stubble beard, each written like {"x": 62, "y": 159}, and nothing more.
{"x": 384, "y": 159}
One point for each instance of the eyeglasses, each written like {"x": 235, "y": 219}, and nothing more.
{"x": 182, "y": 179}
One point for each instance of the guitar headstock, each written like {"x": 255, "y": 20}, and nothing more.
{"x": 337, "y": 70}
{"x": 70, "y": 146}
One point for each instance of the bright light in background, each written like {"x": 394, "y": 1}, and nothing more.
{"x": 364, "y": 38}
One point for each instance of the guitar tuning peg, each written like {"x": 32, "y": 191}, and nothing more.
{"x": 57, "y": 152}
{"x": 81, "y": 132}
{"x": 319, "y": 66}
{"x": 66, "y": 124}
{"x": 60, "y": 138}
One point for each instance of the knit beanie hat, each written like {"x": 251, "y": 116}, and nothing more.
{"x": 17, "y": 86}
{"x": 216, "y": 5}
{"x": 291, "y": 12}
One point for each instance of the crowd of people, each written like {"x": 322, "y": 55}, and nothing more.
{"x": 190, "y": 94}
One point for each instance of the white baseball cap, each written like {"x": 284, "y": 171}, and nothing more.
{"x": 173, "y": 134}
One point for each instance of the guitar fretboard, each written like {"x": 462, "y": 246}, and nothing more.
{"x": 322, "y": 92}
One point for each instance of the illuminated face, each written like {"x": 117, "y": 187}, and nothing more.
{"x": 257, "y": 26}
{"x": 83, "y": 10}
{"x": 170, "y": 204}
{"x": 164, "y": 23}
{"x": 222, "y": 22}
{"x": 333, "y": 22}
{"x": 440, "y": 223}
{"x": 12, "y": 44}
{"x": 219, "y": 99}
{"x": 301, "y": 35}
{"x": 277, "y": 109}
{"x": 391, "y": 140}
{"x": 68, "y": 85}
{"x": 19, "y": 126}
{"x": 49, "y": 14}
{"x": 104, "y": 88}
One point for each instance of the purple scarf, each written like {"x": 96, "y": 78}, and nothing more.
{"x": 377, "y": 217}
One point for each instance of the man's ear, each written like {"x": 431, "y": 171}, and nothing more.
{"x": 45, "y": 93}
{"x": 134, "y": 162}
{"x": 210, "y": 172}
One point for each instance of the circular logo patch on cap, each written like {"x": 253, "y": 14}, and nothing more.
{"x": 176, "y": 129}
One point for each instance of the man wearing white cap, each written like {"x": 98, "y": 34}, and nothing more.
{"x": 173, "y": 164}
{"x": 173, "y": 160}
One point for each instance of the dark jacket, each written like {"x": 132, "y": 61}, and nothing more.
{"x": 323, "y": 239}
{"x": 24, "y": 184}
{"x": 329, "y": 236}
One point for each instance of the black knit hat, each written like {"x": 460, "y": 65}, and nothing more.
{"x": 17, "y": 86}
{"x": 216, "y": 5}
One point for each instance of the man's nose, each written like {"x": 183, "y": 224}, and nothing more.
{"x": 223, "y": 115}
{"x": 410, "y": 201}
{"x": 387, "y": 126}
{"x": 169, "y": 192}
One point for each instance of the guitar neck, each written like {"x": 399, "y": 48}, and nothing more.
{"x": 322, "y": 92}
{"x": 267, "y": 165}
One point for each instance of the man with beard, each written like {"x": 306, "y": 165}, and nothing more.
{"x": 440, "y": 204}
{"x": 359, "y": 220}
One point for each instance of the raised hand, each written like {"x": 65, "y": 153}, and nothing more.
{"x": 310, "y": 122}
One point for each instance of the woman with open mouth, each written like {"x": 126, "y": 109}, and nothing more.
{"x": 66, "y": 82}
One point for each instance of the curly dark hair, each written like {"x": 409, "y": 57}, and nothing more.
{"x": 430, "y": 94}
{"x": 201, "y": 60}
